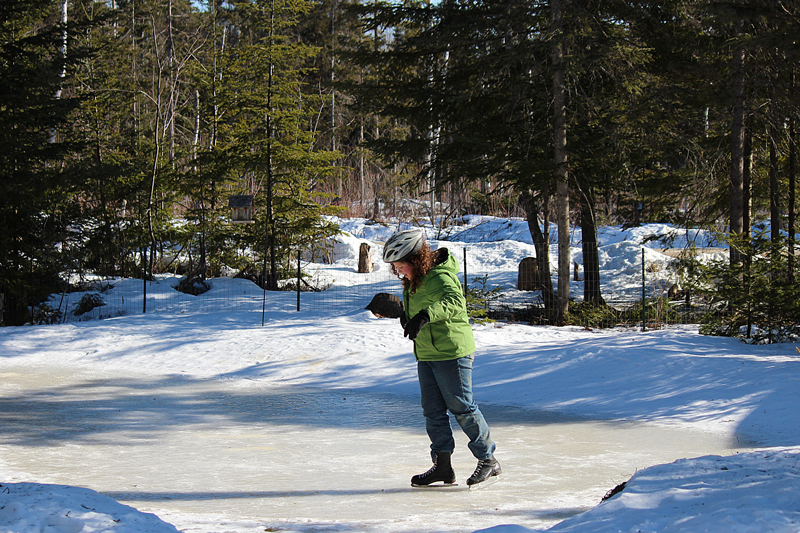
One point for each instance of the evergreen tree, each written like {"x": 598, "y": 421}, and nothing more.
{"x": 474, "y": 83}
{"x": 607, "y": 81}
{"x": 266, "y": 138}
{"x": 174, "y": 113}
{"x": 113, "y": 171}
{"x": 469, "y": 83}
{"x": 767, "y": 308}
{"x": 37, "y": 180}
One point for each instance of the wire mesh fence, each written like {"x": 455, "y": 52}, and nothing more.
{"x": 639, "y": 288}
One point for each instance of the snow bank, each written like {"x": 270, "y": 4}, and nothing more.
{"x": 39, "y": 508}
{"x": 745, "y": 493}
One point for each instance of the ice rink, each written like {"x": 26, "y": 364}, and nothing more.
{"x": 231, "y": 455}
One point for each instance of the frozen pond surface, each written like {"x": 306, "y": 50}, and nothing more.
{"x": 203, "y": 454}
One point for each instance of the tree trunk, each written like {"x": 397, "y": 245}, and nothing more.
{"x": 560, "y": 140}
{"x": 63, "y": 54}
{"x": 361, "y": 182}
{"x": 542, "y": 246}
{"x": 173, "y": 73}
{"x": 271, "y": 279}
{"x": 747, "y": 172}
{"x": 334, "y": 147}
{"x": 150, "y": 207}
{"x": 591, "y": 257}
{"x": 792, "y": 180}
{"x": 737, "y": 146}
{"x": 774, "y": 186}
{"x": 774, "y": 189}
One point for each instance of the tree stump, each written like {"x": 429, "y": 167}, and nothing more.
{"x": 364, "y": 259}
{"x": 528, "y": 275}
{"x": 576, "y": 274}
{"x": 194, "y": 283}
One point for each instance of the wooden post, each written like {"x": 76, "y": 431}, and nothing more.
{"x": 364, "y": 259}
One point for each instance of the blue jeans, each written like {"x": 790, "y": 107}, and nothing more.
{"x": 447, "y": 386}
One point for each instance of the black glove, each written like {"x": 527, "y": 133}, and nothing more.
{"x": 416, "y": 324}
{"x": 403, "y": 321}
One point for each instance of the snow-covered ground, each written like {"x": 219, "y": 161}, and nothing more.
{"x": 493, "y": 249}
{"x": 673, "y": 377}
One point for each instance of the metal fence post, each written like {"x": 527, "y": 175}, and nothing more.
{"x": 144, "y": 282}
{"x": 465, "y": 271}
{"x": 298, "y": 279}
{"x": 643, "y": 292}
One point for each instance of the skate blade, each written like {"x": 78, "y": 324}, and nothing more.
{"x": 438, "y": 486}
{"x": 482, "y": 485}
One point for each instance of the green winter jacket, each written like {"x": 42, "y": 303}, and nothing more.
{"x": 448, "y": 335}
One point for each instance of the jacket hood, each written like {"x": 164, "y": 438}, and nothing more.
{"x": 445, "y": 261}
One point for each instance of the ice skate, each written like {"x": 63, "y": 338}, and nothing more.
{"x": 487, "y": 468}
{"x": 441, "y": 471}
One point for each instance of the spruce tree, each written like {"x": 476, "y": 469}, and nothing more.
{"x": 474, "y": 84}
{"x": 266, "y": 140}
{"x": 37, "y": 179}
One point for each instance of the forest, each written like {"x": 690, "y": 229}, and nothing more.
{"x": 131, "y": 129}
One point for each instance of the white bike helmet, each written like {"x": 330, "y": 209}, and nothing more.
{"x": 402, "y": 245}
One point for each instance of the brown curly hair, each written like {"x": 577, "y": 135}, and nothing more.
{"x": 421, "y": 262}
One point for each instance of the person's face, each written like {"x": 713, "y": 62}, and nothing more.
{"x": 404, "y": 269}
